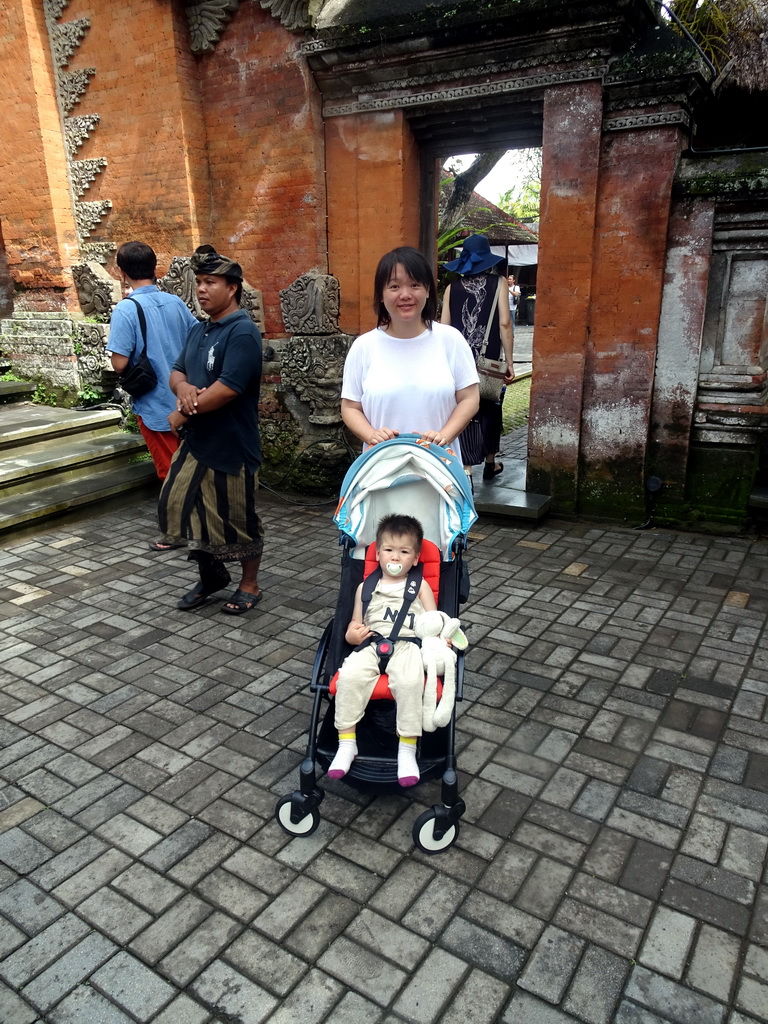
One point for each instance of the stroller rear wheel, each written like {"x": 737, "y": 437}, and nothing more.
{"x": 427, "y": 833}
{"x": 305, "y": 826}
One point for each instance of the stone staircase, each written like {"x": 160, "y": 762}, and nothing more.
{"x": 54, "y": 461}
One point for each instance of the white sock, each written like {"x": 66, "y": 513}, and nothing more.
{"x": 345, "y": 755}
{"x": 407, "y": 767}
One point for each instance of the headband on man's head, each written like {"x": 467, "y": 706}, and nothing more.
{"x": 205, "y": 260}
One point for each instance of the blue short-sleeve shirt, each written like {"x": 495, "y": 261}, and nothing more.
{"x": 169, "y": 321}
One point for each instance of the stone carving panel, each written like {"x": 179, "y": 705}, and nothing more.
{"x": 66, "y": 38}
{"x": 294, "y": 14}
{"x": 180, "y": 280}
{"x": 207, "y": 20}
{"x": 72, "y": 85}
{"x": 97, "y": 252}
{"x": 97, "y": 290}
{"x": 84, "y": 173}
{"x": 313, "y": 368}
{"x": 91, "y": 350}
{"x": 311, "y": 304}
{"x": 88, "y": 215}
{"x": 54, "y": 8}
{"x": 77, "y": 130}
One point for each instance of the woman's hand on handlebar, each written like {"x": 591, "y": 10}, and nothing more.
{"x": 435, "y": 437}
{"x": 382, "y": 434}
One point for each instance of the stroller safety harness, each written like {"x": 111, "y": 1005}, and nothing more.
{"x": 385, "y": 646}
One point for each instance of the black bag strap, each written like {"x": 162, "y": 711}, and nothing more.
{"x": 412, "y": 585}
{"x": 142, "y": 321}
{"x": 494, "y": 304}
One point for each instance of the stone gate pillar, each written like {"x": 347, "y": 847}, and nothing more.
{"x": 570, "y": 160}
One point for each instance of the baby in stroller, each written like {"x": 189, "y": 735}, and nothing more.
{"x": 385, "y": 609}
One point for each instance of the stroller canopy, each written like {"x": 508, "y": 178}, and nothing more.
{"x": 407, "y": 476}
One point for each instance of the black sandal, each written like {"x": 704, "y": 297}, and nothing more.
{"x": 240, "y": 602}
{"x": 200, "y": 594}
{"x": 492, "y": 469}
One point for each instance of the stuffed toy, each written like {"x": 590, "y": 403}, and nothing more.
{"x": 435, "y": 630}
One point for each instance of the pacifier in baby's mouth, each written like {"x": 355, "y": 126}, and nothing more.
{"x": 394, "y": 568}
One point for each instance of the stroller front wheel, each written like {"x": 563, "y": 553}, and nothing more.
{"x": 426, "y": 833}
{"x": 305, "y": 826}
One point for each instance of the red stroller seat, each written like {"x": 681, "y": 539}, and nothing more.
{"x": 429, "y": 559}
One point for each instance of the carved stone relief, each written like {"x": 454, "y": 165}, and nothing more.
{"x": 84, "y": 173}
{"x": 311, "y": 304}
{"x": 294, "y": 14}
{"x": 77, "y": 130}
{"x": 91, "y": 351}
{"x": 97, "y": 290}
{"x": 66, "y": 38}
{"x": 313, "y": 368}
{"x": 72, "y": 85}
{"x": 312, "y": 360}
{"x": 54, "y": 8}
{"x": 97, "y": 252}
{"x": 88, "y": 215}
{"x": 207, "y": 20}
{"x": 180, "y": 280}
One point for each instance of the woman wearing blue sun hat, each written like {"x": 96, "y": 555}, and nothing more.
{"x": 477, "y": 304}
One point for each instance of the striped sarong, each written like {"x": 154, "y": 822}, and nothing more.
{"x": 214, "y": 511}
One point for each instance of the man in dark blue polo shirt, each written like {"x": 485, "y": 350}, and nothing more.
{"x": 209, "y": 496}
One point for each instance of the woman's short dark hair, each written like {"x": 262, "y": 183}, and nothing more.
{"x": 137, "y": 260}
{"x": 415, "y": 264}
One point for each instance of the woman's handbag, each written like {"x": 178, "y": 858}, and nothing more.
{"x": 491, "y": 371}
{"x": 141, "y": 377}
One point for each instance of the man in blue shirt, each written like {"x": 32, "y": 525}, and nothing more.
{"x": 168, "y": 322}
{"x": 209, "y": 496}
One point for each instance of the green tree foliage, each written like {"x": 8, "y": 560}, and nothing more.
{"x": 523, "y": 199}
{"x": 729, "y": 30}
{"x": 452, "y": 216}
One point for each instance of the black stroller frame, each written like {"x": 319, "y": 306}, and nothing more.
{"x": 437, "y": 828}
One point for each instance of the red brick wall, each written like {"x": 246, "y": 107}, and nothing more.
{"x": 226, "y": 147}
{"x": 372, "y": 165}
{"x": 265, "y": 147}
{"x": 151, "y": 129}
{"x": 35, "y": 203}
{"x": 570, "y": 159}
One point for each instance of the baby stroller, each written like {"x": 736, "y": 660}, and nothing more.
{"x": 411, "y": 476}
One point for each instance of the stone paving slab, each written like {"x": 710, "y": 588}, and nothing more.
{"x": 613, "y": 756}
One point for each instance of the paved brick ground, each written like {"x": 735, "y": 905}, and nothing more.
{"x": 614, "y": 761}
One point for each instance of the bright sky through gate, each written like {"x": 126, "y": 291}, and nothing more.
{"x": 502, "y": 178}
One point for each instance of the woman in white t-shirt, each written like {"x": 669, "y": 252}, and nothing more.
{"x": 412, "y": 373}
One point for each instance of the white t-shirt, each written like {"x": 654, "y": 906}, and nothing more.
{"x": 409, "y": 384}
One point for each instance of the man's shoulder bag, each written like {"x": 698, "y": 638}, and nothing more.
{"x": 141, "y": 377}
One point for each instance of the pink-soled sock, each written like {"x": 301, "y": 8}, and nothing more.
{"x": 407, "y": 767}
{"x": 345, "y": 755}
